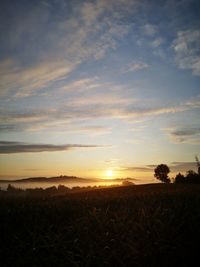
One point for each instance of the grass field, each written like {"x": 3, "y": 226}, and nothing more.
{"x": 147, "y": 225}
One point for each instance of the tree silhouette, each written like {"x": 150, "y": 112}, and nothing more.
{"x": 180, "y": 179}
{"x": 192, "y": 177}
{"x": 161, "y": 173}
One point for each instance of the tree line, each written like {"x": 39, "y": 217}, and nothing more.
{"x": 162, "y": 170}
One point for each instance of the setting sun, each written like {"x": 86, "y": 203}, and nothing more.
{"x": 109, "y": 173}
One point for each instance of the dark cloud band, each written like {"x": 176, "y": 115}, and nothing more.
{"x": 20, "y": 147}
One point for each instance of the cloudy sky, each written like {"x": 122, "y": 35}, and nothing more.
{"x": 90, "y": 88}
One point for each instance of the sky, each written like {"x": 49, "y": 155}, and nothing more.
{"x": 99, "y": 88}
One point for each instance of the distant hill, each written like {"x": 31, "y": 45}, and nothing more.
{"x": 58, "y": 179}
{"x": 64, "y": 179}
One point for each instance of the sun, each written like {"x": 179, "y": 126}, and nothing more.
{"x": 109, "y": 173}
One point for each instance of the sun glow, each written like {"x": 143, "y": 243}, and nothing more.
{"x": 109, "y": 173}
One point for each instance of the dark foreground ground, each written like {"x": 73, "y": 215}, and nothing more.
{"x": 151, "y": 225}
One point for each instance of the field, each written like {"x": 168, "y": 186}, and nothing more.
{"x": 147, "y": 225}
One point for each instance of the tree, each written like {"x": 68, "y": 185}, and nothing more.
{"x": 192, "y": 177}
{"x": 10, "y": 188}
{"x": 180, "y": 179}
{"x": 161, "y": 173}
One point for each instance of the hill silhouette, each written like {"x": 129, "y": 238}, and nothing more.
{"x": 63, "y": 179}
{"x": 56, "y": 179}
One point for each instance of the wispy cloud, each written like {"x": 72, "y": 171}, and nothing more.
{"x": 20, "y": 147}
{"x": 82, "y": 85}
{"x": 186, "y": 132}
{"x": 83, "y": 108}
{"x": 136, "y": 66}
{"x": 149, "y": 29}
{"x": 187, "y": 50}
{"x": 85, "y": 33}
{"x": 26, "y": 81}
{"x": 151, "y": 37}
{"x": 193, "y": 103}
{"x": 183, "y": 166}
{"x": 89, "y": 130}
{"x": 107, "y": 100}
{"x": 112, "y": 161}
{"x": 137, "y": 169}
{"x": 157, "y": 42}
{"x": 188, "y": 135}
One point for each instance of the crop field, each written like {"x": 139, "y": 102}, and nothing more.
{"x": 147, "y": 225}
